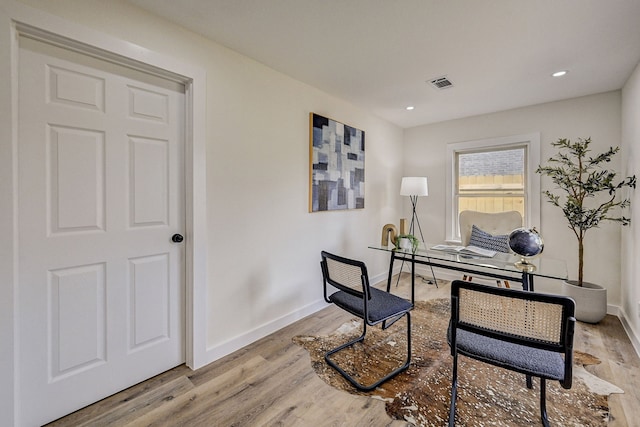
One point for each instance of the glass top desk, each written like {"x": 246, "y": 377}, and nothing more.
{"x": 501, "y": 266}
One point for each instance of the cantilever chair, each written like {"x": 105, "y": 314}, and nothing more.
{"x": 522, "y": 331}
{"x": 372, "y": 305}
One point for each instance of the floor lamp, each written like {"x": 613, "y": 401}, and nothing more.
{"x": 414, "y": 187}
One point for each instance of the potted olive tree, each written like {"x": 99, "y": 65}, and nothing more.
{"x": 588, "y": 196}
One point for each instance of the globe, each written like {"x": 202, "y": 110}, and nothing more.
{"x": 528, "y": 244}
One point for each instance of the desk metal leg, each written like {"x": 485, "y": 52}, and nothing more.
{"x": 527, "y": 285}
{"x": 413, "y": 279}
{"x": 435, "y": 281}
{"x": 390, "y": 271}
{"x": 527, "y": 281}
{"x": 413, "y": 275}
{"x": 400, "y": 273}
{"x": 389, "y": 322}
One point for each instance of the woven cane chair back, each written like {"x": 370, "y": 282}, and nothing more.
{"x": 536, "y": 320}
{"x": 347, "y": 275}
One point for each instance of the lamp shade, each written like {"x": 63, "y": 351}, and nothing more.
{"x": 414, "y": 186}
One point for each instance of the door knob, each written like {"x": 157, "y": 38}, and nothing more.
{"x": 177, "y": 238}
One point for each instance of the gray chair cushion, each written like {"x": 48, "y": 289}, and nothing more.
{"x": 382, "y": 305}
{"x": 541, "y": 363}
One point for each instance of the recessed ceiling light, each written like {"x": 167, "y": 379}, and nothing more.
{"x": 410, "y": 107}
{"x": 559, "y": 73}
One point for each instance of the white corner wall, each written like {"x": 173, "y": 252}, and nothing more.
{"x": 630, "y": 253}
{"x": 263, "y": 245}
{"x": 7, "y": 230}
{"x": 596, "y": 116}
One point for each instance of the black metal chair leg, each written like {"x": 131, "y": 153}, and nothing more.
{"x": 345, "y": 345}
{"x": 372, "y": 305}
{"x": 392, "y": 374}
{"x": 543, "y": 402}
{"x": 454, "y": 392}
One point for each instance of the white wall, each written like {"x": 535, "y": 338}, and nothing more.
{"x": 7, "y": 229}
{"x": 263, "y": 245}
{"x": 597, "y": 116}
{"x": 630, "y": 292}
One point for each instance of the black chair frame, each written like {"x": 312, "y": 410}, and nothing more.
{"x": 370, "y": 316}
{"x": 564, "y": 345}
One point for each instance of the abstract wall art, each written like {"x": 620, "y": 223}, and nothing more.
{"x": 336, "y": 167}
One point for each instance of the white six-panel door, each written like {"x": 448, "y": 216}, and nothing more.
{"x": 101, "y": 193}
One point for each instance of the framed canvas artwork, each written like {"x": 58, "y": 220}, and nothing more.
{"x": 336, "y": 165}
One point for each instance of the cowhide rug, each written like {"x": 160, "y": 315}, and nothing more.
{"x": 487, "y": 395}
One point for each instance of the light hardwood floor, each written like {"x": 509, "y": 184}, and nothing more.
{"x": 271, "y": 383}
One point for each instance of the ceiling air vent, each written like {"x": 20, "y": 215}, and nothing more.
{"x": 441, "y": 82}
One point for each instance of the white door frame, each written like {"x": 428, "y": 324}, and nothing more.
{"x": 16, "y": 19}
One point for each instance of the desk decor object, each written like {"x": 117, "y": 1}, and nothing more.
{"x": 471, "y": 251}
{"x": 336, "y": 169}
{"x": 528, "y": 244}
{"x": 390, "y": 232}
{"x": 407, "y": 242}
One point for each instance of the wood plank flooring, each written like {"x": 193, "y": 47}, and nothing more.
{"x": 271, "y": 383}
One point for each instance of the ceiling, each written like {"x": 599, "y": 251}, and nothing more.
{"x": 380, "y": 54}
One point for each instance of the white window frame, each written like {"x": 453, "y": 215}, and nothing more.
{"x": 530, "y": 141}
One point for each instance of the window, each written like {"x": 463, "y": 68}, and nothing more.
{"x": 490, "y": 180}
{"x": 493, "y": 175}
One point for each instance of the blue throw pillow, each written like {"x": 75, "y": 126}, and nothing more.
{"x": 485, "y": 240}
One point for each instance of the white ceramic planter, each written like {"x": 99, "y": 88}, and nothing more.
{"x": 591, "y": 300}
{"x": 405, "y": 244}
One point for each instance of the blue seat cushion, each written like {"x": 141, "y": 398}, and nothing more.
{"x": 537, "y": 362}
{"x": 382, "y": 305}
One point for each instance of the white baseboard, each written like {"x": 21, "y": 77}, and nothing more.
{"x": 220, "y": 350}
{"x": 628, "y": 328}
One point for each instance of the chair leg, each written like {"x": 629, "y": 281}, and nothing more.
{"x": 341, "y": 347}
{"x": 543, "y": 402}
{"x": 392, "y": 374}
{"x": 454, "y": 392}
{"x": 506, "y": 284}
